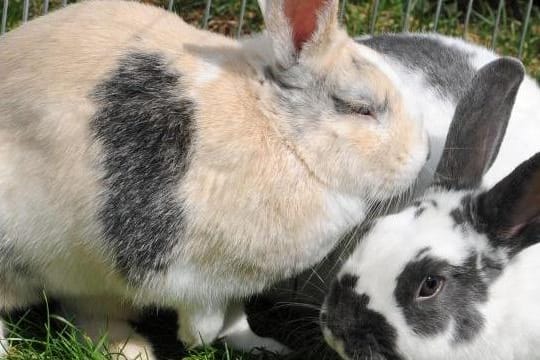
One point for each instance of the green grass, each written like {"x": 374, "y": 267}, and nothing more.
{"x": 40, "y": 334}
{"x": 56, "y": 338}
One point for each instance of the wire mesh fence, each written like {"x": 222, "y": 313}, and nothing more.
{"x": 424, "y": 15}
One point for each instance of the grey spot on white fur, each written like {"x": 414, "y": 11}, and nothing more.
{"x": 422, "y": 252}
{"x": 144, "y": 123}
{"x": 465, "y": 287}
{"x": 446, "y": 68}
{"x": 419, "y": 211}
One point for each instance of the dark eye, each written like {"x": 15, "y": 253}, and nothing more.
{"x": 430, "y": 287}
{"x": 364, "y": 110}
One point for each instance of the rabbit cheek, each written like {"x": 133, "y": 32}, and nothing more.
{"x": 354, "y": 330}
{"x": 144, "y": 126}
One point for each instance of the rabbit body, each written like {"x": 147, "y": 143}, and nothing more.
{"x": 143, "y": 161}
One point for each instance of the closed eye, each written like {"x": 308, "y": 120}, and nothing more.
{"x": 359, "y": 108}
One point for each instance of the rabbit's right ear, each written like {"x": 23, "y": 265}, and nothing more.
{"x": 299, "y": 27}
{"x": 479, "y": 124}
{"x": 510, "y": 211}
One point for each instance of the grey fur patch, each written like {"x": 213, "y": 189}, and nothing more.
{"x": 419, "y": 211}
{"x": 464, "y": 289}
{"x": 479, "y": 124}
{"x": 463, "y": 216}
{"x": 447, "y": 69}
{"x": 422, "y": 252}
{"x": 145, "y": 124}
{"x": 12, "y": 262}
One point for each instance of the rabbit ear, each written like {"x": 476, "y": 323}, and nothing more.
{"x": 298, "y": 25}
{"x": 479, "y": 125}
{"x": 510, "y": 212}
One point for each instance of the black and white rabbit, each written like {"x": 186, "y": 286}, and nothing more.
{"x": 146, "y": 162}
{"x": 453, "y": 276}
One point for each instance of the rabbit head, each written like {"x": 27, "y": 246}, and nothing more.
{"x": 417, "y": 285}
{"x": 337, "y": 103}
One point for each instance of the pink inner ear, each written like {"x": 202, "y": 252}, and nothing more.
{"x": 302, "y": 15}
{"x": 527, "y": 209}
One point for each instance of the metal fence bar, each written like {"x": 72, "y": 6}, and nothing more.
{"x": 342, "y": 10}
{"x": 437, "y": 14}
{"x": 4, "y": 17}
{"x": 26, "y": 6}
{"x": 407, "y": 11}
{"x": 241, "y": 20}
{"x": 406, "y": 16}
{"x": 467, "y": 18}
{"x": 524, "y": 31}
{"x": 496, "y": 27}
{"x": 207, "y": 14}
{"x": 373, "y": 19}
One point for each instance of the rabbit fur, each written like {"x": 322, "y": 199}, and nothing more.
{"x": 434, "y": 73}
{"x": 478, "y": 242}
{"x": 146, "y": 162}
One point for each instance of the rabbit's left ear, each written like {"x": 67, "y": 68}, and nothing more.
{"x": 510, "y": 212}
{"x": 299, "y": 27}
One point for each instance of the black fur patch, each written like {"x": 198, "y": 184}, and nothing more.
{"x": 363, "y": 332}
{"x": 144, "y": 124}
{"x": 160, "y": 327}
{"x": 464, "y": 288}
{"x": 462, "y": 216}
{"x": 447, "y": 69}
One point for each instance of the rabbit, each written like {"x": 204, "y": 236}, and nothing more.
{"x": 452, "y": 276}
{"x": 144, "y": 162}
{"x": 434, "y": 73}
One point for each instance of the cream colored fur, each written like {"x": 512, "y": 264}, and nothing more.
{"x": 261, "y": 201}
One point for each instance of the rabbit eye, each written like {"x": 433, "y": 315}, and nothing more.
{"x": 430, "y": 287}
{"x": 364, "y": 110}
{"x": 353, "y": 107}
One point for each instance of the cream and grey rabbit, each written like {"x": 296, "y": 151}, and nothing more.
{"x": 453, "y": 276}
{"x": 145, "y": 162}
